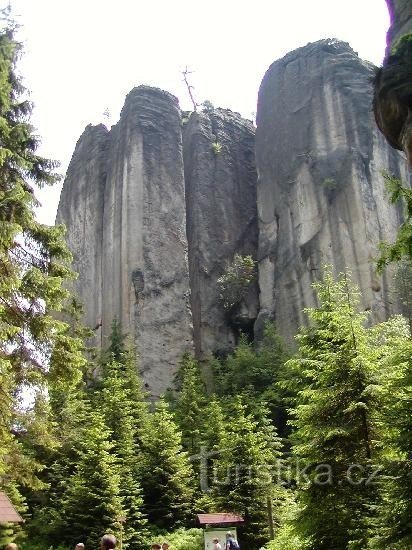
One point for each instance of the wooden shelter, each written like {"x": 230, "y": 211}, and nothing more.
{"x": 216, "y": 526}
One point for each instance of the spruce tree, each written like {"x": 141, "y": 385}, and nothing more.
{"x": 333, "y": 420}
{"x": 92, "y": 503}
{"x": 36, "y": 350}
{"x": 211, "y": 437}
{"x": 118, "y": 405}
{"x": 244, "y": 484}
{"x": 393, "y": 528}
{"x": 168, "y": 482}
{"x": 190, "y": 403}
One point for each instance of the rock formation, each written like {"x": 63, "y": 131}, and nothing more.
{"x": 124, "y": 204}
{"x": 393, "y": 82}
{"x": 321, "y": 195}
{"x": 220, "y": 177}
{"x": 154, "y": 219}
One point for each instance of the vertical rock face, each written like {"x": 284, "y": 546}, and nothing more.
{"x": 81, "y": 210}
{"x": 393, "y": 82}
{"x": 139, "y": 246}
{"x": 220, "y": 178}
{"x": 321, "y": 195}
{"x": 401, "y": 21}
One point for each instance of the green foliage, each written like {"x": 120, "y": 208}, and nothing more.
{"x": 236, "y": 279}
{"x": 329, "y": 184}
{"x": 333, "y": 418}
{"x": 183, "y": 539}
{"x": 207, "y": 106}
{"x": 217, "y": 147}
{"x": 168, "y": 481}
{"x": 259, "y": 373}
{"x": 249, "y": 448}
{"x": 402, "y": 247}
{"x": 402, "y": 288}
{"x": 286, "y": 537}
{"x": 393, "y": 527}
{"x": 402, "y": 49}
{"x": 121, "y": 402}
{"x": 97, "y": 461}
{"x": 92, "y": 503}
{"x": 37, "y": 352}
{"x": 189, "y": 404}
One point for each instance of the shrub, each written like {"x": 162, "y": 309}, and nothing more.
{"x": 184, "y": 539}
{"x": 236, "y": 279}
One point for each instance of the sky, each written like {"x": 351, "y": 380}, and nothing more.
{"x": 81, "y": 57}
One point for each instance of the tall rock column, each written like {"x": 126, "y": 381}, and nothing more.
{"x": 321, "y": 195}
{"x": 81, "y": 210}
{"x": 142, "y": 254}
{"x": 220, "y": 177}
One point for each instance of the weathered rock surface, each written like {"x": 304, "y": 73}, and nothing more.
{"x": 81, "y": 210}
{"x": 401, "y": 21}
{"x": 127, "y": 229}
{"x": 393, "y": 82}
{"x": 321, "y": 196}
{"x": 220, "y": 178}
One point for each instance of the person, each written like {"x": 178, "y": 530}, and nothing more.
{"x": 216, "y": 544}
{"x": 11, "y": 546}
{"x": 231, "y": 542}
{"x": 108, "y": 542}
{"x": 165, "y": 545}
{"x": 79, "y": 546}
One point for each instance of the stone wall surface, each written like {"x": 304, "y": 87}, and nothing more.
{"x": 135, "y": 252}
{"x": 401, "y": 21}
{"x": 81, "y": 210}
{"x": 220, "y": 178}
{"x": 321, "y": 195}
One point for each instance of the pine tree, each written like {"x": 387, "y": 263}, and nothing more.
{"x": 168, "y": 481}
{"x": 333, "y": 420}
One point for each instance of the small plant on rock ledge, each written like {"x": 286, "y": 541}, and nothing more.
{"x": 236, "y": 279}
{"x": 216, "y": 147}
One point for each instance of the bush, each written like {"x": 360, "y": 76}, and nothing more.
{"x": 236, "y": 279}
{"x": 184, "y": 539}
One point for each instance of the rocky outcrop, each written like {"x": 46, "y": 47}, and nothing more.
{"x": 401, "y": 22}
{"x": 393, "y": 82}
{"x": 321, "y": 195}
{"x": 220, "y": 178}
{"x": 124, "y": 204}
{"x": 81, "y": 210}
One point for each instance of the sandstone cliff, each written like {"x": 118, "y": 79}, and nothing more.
{"x": 154, "y": 219}
{"x": 321, "y": 196}
{"x": 220, "y": 178}
{"x": 393, "y": 82}
{"x": 124, "y": 204}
